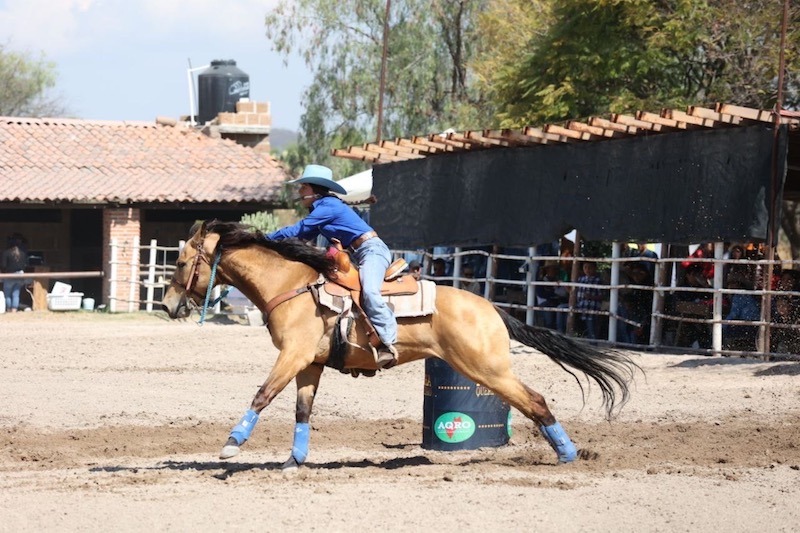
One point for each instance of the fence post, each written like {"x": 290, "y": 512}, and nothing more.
{"x": 151, "y": 275}
{"x": 613, "y": 299}
{"x": 134, "y": 279}
{"x": 457, "y": 267}
{"x": 658, "y": 302}
{"x": 112, "y": 282}
{"x": 716, "y": 327}
{"x": 530, "y": 286}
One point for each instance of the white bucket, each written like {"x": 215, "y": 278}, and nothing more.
{"x": 88, "y": 304}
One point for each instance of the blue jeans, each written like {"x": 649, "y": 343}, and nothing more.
{"x": 373, "y": 258}
{"x": 12, "y": 288}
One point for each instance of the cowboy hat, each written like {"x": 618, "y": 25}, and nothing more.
{"x": 320, "y": 176}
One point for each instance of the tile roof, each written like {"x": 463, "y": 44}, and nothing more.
{"x": 594, "y": 129}
{"x": 45, "y": 160}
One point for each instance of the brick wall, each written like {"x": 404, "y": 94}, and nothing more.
{"x": 124, "y": 225}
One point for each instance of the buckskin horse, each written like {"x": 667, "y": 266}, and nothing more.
{"x": 465, "y": 330}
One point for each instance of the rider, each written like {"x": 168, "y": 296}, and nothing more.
{"x": 333, "y": 219}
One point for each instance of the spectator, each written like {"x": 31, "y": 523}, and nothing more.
{"x": 705, "y": 250}
{"x": 438, "y": 271}
{"x": 694, "y": 305}
{"x": 785, "y": 340}
{"x": 415, "y": 270}
{"x": 743, "y": 307}
{"x": 472, "y": 285}
{"x": 587, "y": 299}
{"x": 643, "y": 251}
{"x": 14, "y": 261}
{"x": 636, "y": 304}
{"x": 737, "y": 252}
{"x": 551, "y": 296}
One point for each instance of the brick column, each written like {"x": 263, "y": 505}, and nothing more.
{"x": 124, "y": 225}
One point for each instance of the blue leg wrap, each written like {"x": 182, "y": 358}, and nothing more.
{"x": 241, "y": 432}
{"x": 560, "y": 442}
{"x": 300, "y": 444}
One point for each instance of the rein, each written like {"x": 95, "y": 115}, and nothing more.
{"x": 194, "y": 275}
{"x": 210, "y": 287}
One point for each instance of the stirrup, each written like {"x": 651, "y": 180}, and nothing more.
{"x": 386, "y": 357}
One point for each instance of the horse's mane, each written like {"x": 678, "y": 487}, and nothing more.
{"x": 233, "y": 235}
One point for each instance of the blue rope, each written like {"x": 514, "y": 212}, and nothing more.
{"x": 210, "y": 288}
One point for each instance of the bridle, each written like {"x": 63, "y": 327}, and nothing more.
{"x": 194, "y": 275}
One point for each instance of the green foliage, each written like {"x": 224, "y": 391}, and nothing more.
{"x": 587, "y": 57}
{"x": 428, "y": 86}
{"x": 264, "y": 221}
{"x": 24, "y": 85}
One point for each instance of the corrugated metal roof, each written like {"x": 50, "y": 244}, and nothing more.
{"x": 86, "y": 162}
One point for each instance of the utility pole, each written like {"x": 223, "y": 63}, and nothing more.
{"x": 383, "y": 70}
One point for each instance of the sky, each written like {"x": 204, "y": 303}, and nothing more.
{"x": 128, "y": 59}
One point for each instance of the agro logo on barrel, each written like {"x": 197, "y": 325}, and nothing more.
{"x": 454, "y": 427}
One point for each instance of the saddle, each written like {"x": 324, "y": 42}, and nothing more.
{"x": 345, "y": 281}
{"x": 346, "y": 274}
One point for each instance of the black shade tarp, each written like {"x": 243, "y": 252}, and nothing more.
{"x": 682, "y": 187}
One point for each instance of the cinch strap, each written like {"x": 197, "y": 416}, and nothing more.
{"x": 560, "y": 442}
{"x": 300, "y": 444}
{"x": 241, "y": 432}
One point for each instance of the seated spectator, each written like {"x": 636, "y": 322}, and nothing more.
{"x": 550, "y": 295}
{"x": 742, "y": 270}
{"x": 743, "y": 307}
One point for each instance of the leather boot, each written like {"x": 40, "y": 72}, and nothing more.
{"x": 387, "y": 357}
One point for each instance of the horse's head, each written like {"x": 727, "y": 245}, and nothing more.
{"x": 187, "y": 288}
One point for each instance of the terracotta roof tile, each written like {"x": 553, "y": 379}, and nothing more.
{"x": 89, "y": 161}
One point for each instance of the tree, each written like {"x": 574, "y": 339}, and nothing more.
{"x": 428, "y": 84}
{"x": 25, "y": 82}
{"x": 553, "y": 60}
{"x": 585, "y": 57}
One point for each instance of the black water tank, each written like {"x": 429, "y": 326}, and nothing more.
{"x": 220, "y": 86}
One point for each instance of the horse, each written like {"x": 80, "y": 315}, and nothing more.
{"x": 466, "y": 331}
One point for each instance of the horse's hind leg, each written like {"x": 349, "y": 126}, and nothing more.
{"x": 307, "y": 384}
{"x": 497, "y": 376}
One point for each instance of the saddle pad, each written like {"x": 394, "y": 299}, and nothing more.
{"x": 422, "y": 303}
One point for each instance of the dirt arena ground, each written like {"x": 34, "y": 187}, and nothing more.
{"x": 114, "y": 423}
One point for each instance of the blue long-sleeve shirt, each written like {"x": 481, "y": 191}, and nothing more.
{"x": 743, "y": 307}
{"x": 329, "y": 217}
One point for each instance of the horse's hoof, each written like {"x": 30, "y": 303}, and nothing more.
{"x": 290, "y": 466}
{"x": 230, "y": 449}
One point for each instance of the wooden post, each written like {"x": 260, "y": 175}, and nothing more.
{"x": 573, "y": 294}
{"x": 39, "y": 292}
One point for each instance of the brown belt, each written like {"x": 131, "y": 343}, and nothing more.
{"x": 358, "y": 241}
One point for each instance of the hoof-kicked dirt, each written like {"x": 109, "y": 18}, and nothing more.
{"x": 115, "y": 423}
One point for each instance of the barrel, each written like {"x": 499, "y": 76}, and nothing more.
{"x": 459, "y": 414}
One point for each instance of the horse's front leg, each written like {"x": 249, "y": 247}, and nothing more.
{"x": 288, "y": 365}
{"x": 307, "y": 384}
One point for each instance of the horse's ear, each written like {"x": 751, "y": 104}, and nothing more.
{"x": 198, "y": 228}
{"x": 210, "y": 243}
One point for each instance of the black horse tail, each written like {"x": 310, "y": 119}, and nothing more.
{"x": 611, "y": 370}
